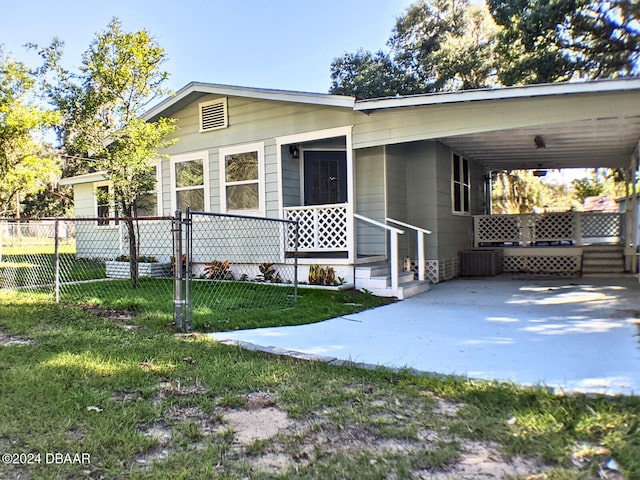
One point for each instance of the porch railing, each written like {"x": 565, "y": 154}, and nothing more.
{"x": 574, "y": 228}
{"x": 420, "y": 233}
{"x": 393, "y": 247}
{"x": 321, "y": 228}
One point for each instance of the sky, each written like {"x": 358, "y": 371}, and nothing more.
{"x": 279, "y": 44}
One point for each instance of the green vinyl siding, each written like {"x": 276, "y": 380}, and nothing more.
{"x": 370, "y": 200}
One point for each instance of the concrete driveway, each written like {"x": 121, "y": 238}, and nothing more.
{"x": 568, "y": 334}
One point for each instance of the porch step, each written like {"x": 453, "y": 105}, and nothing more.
{"x": 376, "y": 278}
{"x": 603, "y": 259}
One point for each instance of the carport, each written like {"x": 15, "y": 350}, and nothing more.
{"x": 583, "y": 125}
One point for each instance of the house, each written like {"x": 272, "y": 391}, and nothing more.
{"x": 402, "y": 180}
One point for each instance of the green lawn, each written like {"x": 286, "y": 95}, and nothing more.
{"x": 112, "y": 383}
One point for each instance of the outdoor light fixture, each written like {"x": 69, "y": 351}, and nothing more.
{"x": 294, "y": 151}
{"x": 540, "y": 172}
{"x": 539, "y": 141}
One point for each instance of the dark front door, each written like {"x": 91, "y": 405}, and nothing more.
{"x": 325, "y": 177}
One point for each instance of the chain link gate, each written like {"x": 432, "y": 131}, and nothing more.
{"x": 232, "y": 263}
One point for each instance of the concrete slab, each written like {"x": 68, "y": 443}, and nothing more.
{"x": 569, "y": 334}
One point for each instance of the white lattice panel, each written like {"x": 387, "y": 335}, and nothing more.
{"x": 552, "y": 227}
{"x": 436, "y": 271}
{"x": 601, "y": 225}
{"x": 498, "y": 228}
{"x": 319, "y": 228}
{"x": 332, "y": 228}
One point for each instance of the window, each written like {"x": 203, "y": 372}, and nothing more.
{"x": 241, "y": 178}
{"x": 460, "y": 184}
{"x": 147, "y": 204}
{"x": 189, "y": 180}
{"x": 213, "y": 115}
{"x": 104, "y": 209}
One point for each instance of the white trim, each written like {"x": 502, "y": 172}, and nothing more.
{"x": 112, "y": 225}
{"x": 186, "y": 157}
{"x": 159, "y": 192}
{"x": 301, "y": 138}
{"x": 315, "y": 135}
{"x": 85, "y": 178}
{"x": 521, "y": 91}
{"x": 244, "y": 148}
{"x": 462, "y": 158}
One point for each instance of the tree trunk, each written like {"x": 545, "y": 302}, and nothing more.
{"x": 133, "y": 253}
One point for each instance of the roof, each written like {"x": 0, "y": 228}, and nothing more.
{"x": 195, "y": 90}
{"x": 86, "y": 178}
{"x": 501, "y": 93}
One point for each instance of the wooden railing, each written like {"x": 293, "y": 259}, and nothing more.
{"x": 572, "y": 228}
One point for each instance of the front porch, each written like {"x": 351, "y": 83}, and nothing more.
{"x": 568, "y": 243}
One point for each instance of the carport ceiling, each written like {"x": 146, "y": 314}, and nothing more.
{"x": 602, "y": 142}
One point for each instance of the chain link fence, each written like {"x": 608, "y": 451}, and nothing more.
{"x": 239, "y": 264}
{"x": 200, "y": 269}
{"x": 86, "y": 260}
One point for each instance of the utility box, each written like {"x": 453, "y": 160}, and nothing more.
{"x": 480, "y": 263}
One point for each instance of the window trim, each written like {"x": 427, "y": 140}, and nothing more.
{"x": 460, "y": 184}
{"x": 112, "y": 213}
{"x": 189, "y": 157}
{"x": 245, "y": 148}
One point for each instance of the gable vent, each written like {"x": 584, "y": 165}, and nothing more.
{"x": 213, "y": 115}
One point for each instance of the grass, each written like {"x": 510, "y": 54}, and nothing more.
{"x": 219, "y": 306}
{"x": 37, "y": 266}
{"x": 145, "y": 403}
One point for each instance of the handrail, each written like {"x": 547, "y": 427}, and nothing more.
{"x": 420, "y": 233}
{"x": 393, "y": 246}
{"x": 408, "y": 225}
{"x": 378, "y": 224}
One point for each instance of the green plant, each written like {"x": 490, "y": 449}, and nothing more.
{"x": 268, "y": 273}
{"x": 322, "y": 276}
{"x": 141, "y": 259}
{"x": 218, "y": 270}
{"x": 329, "y": 276}
{"x": 316, "y": 274}
{"x": 184, "y": 266}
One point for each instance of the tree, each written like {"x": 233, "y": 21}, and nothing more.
{"x": 586, "y": 187}
{"x": 516, "y": 191}
{"x": 446, "y": 44}
{"x": 102, "y": 107}
{"x": 27, "y": 161}
{"x": 370, "y": 75}
{"x": 545, "y": 41}
{"x": 436, "y": 45}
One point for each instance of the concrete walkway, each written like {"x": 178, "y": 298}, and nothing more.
{"x": 569, "y": 334}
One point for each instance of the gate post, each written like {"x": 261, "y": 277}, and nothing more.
{"x": 187, "y": 274}
{"x": 56, "y": 260}
{"x": 178, "y": 300}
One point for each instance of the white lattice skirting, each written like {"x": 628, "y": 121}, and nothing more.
{"x": 548, "y": 264}
{"x": 436, "y": 271}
